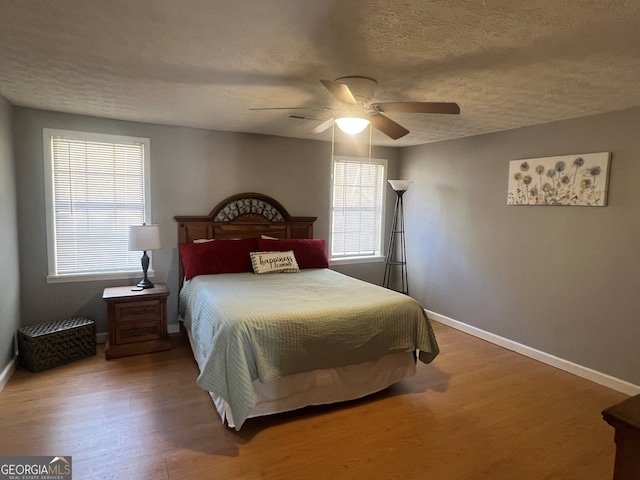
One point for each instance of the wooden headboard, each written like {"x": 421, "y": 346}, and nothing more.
{"x": 245, "y": 215}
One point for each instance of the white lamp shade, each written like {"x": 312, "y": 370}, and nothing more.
{"x": 400, "y": 185}
{"x": 144, "y": 237}
{"x": 352, "y": 125}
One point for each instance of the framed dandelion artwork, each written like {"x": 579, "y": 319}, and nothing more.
{"x": 567, "y": 180}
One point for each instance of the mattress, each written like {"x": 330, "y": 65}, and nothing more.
{"x": 318, "y": 387}
{"x": 262, "y": 328}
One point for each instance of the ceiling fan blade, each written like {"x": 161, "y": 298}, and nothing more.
{"x": 323, "y": 126}
{"x": 388, "y": 127}
{"x": 340, "y": 91}
{"x": 418, "y": 107}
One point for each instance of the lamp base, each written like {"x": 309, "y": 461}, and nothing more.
{"x": 145, "y": 283}
{"x": 397, "y": 253}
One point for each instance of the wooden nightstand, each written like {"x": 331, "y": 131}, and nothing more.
{"x": 625, "y": 418}
{"x": 137, "y": 320}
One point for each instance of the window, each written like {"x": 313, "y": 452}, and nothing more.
{"x": 357, "y": 207}
{"x": 96, "y": 186}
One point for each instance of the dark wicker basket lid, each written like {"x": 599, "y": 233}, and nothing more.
{"x": 55, "y": 326}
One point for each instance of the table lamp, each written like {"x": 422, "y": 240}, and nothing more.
{"x": 144, "y": 237}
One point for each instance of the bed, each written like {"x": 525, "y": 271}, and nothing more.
{"x": 272, "y": 328}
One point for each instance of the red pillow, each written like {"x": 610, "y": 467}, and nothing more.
{"x": 309, "y": 252}
{"x": 219, "y": 256}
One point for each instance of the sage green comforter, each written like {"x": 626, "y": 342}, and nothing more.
{"x": 266, "y": 326}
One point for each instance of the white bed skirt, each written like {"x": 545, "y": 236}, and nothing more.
{"x": 319, "y": 387}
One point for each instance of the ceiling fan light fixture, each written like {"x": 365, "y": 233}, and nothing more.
{"x": 352, "y": 125}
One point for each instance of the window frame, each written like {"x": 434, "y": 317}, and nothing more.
{"x": 380, "y": 256}
{"x": 47, "y": 136}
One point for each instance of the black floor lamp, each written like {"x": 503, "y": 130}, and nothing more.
{"x": 397, "y": 251}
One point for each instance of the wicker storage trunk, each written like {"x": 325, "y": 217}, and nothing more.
{"x": 55, "y": 343}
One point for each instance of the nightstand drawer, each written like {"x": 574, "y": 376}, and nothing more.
{"x": 138, "y": 311}
{"x": 137, "y": 320}
{"x": 138, "y": 332}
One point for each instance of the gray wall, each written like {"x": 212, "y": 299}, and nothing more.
{"x": 191, "y": 171}
{"x": 563, "y": 280}
{"x": 9, "y": 278}
{"x": 559, "y": 279}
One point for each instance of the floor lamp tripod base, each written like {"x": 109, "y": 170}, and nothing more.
{"x": 396, "y": 265}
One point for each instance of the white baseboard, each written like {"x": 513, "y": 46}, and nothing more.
{"x": 7, "y": 372}
{"x": 567, "y": 366}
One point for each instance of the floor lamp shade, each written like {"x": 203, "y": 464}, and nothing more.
{"x": 142, "y": 238}
{"x": 400, "y": 185}
{"x": 396, "y": 264}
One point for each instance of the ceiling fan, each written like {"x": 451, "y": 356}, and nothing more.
{"x": 359, "y": 108}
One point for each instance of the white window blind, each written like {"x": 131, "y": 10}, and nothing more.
{"x": 97, "y": 189}
{"x": 357, "y": 207}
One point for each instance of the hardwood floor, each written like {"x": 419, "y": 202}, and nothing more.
{"x": 478, "y": 412}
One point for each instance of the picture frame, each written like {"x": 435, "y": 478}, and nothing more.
{"x": 567, "y": 180}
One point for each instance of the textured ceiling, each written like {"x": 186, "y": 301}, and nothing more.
{"x": 205, "y": 63}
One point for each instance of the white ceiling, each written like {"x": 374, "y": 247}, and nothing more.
{"x": 204, "y": 63}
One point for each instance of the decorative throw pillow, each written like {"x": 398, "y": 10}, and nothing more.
{"x": 221, "y": 256}
{"x": 274, "y": 262}
{"x": 309, "y": 252}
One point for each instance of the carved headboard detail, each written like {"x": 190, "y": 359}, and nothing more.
{"x": 254, "y": 208}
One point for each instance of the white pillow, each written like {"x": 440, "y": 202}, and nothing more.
{"x": 274, "y": 262}
{"x": 203, "y": 240}
{"x": 267, "y": 237}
